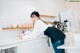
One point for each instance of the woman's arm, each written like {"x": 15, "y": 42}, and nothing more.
{"x": 39, "y": 27}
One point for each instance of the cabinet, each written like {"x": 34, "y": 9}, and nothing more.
{"x": 9, "y": 50}
{"x": 36, "y": 46}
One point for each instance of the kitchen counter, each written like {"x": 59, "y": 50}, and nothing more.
{"x": 70, "y": 48}
{"x": 5, "y": 42}
{"x": 73, "y": 46}
{"x": 28, "y": 45}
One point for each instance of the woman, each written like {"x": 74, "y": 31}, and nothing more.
{"x": 57, "y": 37}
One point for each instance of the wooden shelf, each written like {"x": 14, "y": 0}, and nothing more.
{"x": 9, "y": 28}
{"x": 42, "y": 15}
{"x": 12, "y": 28}
{"x": 47, "y": 16}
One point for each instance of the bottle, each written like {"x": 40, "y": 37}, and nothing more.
{"x": 26, "y": 25}
{"x": 29, "y": 25}
{"x": 22, "y": 26}
{"x": 11, "y": 26}
{"x": 17, "y": 26}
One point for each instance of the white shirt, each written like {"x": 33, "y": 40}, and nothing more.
{"x": 39, "y": 27}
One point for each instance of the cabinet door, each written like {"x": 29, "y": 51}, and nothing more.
{"x": 9, "y": 50}
{"x": 36, "y": 46}
{"x": 73, "y": 50}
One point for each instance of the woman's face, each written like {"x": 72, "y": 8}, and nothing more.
{"x": 34, "y": 18}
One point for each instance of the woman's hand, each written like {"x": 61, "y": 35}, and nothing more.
{"x": 20, "y": 36}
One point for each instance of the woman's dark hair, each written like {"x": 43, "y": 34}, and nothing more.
{"x": 35, "y": 13}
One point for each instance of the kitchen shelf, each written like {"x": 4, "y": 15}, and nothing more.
{"x": 12, "y": 28}
{"x": 42, "y": 15}
{"x": 47, "y": 16}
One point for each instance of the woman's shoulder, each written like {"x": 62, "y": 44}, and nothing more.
{"x": 38, "y": 21}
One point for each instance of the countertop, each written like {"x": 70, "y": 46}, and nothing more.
{"x": 72, "y": 46}
{"x": 75, "y": 42}
{"x": 5, "y": 42}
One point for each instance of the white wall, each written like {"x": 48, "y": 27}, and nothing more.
{"x": 75, "y": 6}
{"x": 68, "y": 15}
{"x": 13, "y": 12}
